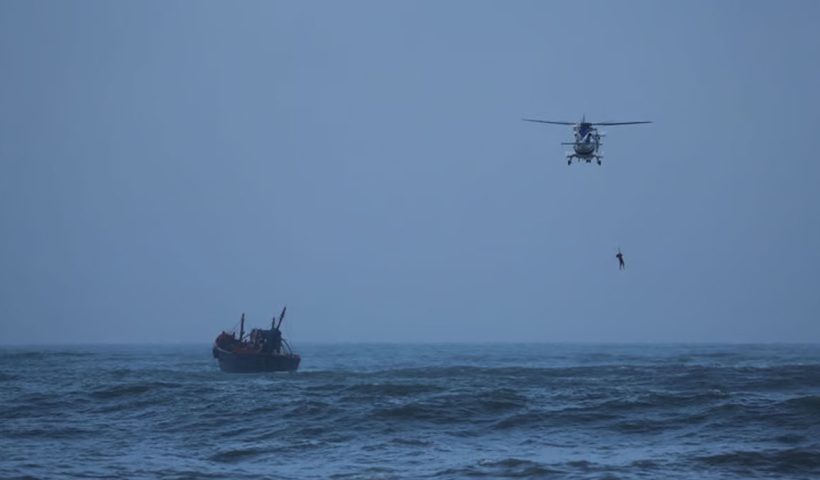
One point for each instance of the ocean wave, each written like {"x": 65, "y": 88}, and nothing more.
{"x": 507, "y": 468}
{"x": 411, "y": 442}
{"x": 665, "y": 400}
{"x": 456, "y": 408}
{"x": 645, "y": 426}
{"x": 788, "y": 461}
{"x": 187, "y": 474}
{"x": 646, "y": 417}
{"x": 645, "y": 464}
{"x": 237, "y": 454}
{"x": 61, "y": 433}
{"x": 34, "y": 405}
{"x": 369, "y": 473}
{"x": 392, "y": 389}
{"x": 527, "y": 373}
{"x": 790, "y": 439}
{"x": 131, "y": 390}
{"x": 14, "y": 355}
{"x": 523, "y": 420}
{"x": 809, "y": 404}
{"x": 311, "y": 409}
{"x": 758, "y": 410}
{"x": 770, "y": 378}
{"x": 19, "y": 356}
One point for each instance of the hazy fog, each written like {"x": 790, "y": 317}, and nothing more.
{"x": 166, "y": 166}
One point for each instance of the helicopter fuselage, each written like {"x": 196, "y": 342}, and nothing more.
{"x": 587, "y": 142}
{"x": 585, "y": 147}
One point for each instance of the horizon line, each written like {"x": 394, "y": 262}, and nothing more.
{"x": 422, "y": 342}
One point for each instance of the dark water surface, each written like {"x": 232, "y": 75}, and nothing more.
{"x": 414, "y": 411}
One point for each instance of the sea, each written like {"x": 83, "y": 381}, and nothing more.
{"x": 401, "y": 411}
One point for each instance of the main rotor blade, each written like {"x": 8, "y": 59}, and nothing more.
{"x": 547, "y": 121}
{"x": 618, "y": 123}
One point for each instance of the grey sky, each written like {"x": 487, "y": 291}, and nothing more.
{"x": 165, "y": 166}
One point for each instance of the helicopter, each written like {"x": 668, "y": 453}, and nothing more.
{"x": 587, "y": 138}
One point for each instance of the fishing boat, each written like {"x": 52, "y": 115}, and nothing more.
{"x": 261, "y": 351}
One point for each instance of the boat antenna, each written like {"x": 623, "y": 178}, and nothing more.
{"x": 281, "y": 317}
{"x": 242, "y": 327}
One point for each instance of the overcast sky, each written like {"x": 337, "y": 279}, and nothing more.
{"x": 166, "y": 166}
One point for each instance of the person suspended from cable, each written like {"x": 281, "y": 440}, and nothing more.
{"x": 620, "y": 256}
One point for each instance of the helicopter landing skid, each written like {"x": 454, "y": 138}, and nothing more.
{"x": 597, "y": 158}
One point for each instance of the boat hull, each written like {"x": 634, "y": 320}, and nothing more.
{"x": 232, "y": 362}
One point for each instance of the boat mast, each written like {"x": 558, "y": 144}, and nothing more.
{"x": 241, "y": 327}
